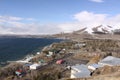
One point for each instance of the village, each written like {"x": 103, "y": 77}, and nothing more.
{"x": 67, "y": 60}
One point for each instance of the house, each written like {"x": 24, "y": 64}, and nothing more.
{"x": 80, "y": 71}
{"x": 38, "y": 52}
{"x": 80, "y": 44}
{"x": 62, "y": 51}
{"x": 59, "y": 61}
{"x": 50, "y": 53}
{"x": 94, "y": 66}
{"x": 110, "y": 61}
{"x": 34, "y": 66}
{"x": 19, "y": 72}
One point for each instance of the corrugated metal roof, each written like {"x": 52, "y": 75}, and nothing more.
{"x": 81, "y": 67}
{"x": 110, "y": 60}
{"x": 81, "y": 71}
{"x": 95, "y": 65}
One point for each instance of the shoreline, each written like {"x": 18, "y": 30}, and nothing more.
{"x": 33, "y": 53}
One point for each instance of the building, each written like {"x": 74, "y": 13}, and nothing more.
{"x": 38, "y": 52}
{"x": 59, "y": 61}
{"x": 34, "y": 66}
{"x": 94, "y": 66}
{"x": 110, "y": 61}
{"x": 20, "y": 73}
{"x": 79, "y": 71}
{"x": 49, "y": 54}
{"x": 79, "y": 45}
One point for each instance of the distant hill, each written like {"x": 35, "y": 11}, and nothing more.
{"x": 98, "y": 32}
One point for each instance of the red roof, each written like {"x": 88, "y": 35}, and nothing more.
{"x": 59, "y": 61}
{"x": 19, "y": 70}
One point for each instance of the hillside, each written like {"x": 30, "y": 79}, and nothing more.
{"x": 79, "y": 49}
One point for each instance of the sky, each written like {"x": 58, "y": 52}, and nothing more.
{"x": 55, "y": 16}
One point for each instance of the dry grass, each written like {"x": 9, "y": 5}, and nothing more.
{"x": 95, "y": 59}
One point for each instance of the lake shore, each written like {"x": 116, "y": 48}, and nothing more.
{"x": 21, "y": 47}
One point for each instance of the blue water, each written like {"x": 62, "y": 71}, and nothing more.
{"x": 17, "y": 48}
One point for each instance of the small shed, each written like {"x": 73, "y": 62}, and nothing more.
{"x": 38, "y": 52}
{"x": 80, "y": 45}
{"x": 80, "y": 71}
{"x": 63, "y": 49}
{"x": 34, "y": 66}
{"x": 19, "y": 73}
{"x": 59, "y": 61}
{"x": 94, "y": 66}
{"x": 110, "y": 61}
{"x": 50, "y": 53}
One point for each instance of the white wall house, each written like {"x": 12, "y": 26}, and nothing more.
{"x": 94, "y": 66}
{"x": 38, "y": 52}
{"x": 79, "y": 71}
{"x": 34, "y": 66}
{"x": 50, "y": 53}
{"x": 110, "y": 61}
{"x": 80, "y": 45}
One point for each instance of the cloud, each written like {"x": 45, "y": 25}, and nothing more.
{"x": 10, "y": 18}
{"x": 90, "y": 19}
{"x": 98, "y": 1}
{"x": 85, "y": 16}
{"x": 16, "y": 25}
{"x": 80, "y": 20}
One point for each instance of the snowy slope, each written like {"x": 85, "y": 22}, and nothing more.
{"x": 98, "y": 29}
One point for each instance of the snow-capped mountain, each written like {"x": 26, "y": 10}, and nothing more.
{"x": 101, "y": 29}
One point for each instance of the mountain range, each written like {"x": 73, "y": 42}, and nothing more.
{"x": 99, "y": 30}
